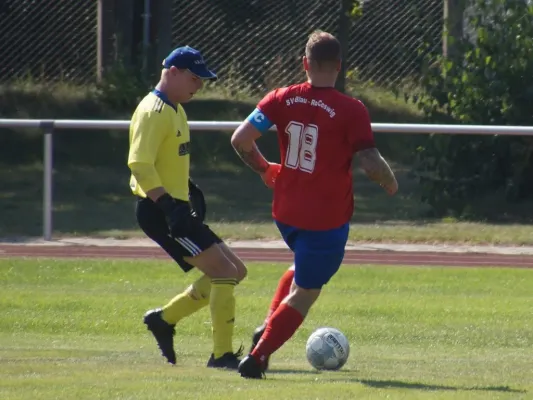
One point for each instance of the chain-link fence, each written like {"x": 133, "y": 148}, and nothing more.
{"x": 252, "y": 44}
{"x": 260, "y": 44}
{"x": 387, "y": 41}
{"x": 48, "y": 40}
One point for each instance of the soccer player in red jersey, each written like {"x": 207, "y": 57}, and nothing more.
{"x": 319, "y": 131}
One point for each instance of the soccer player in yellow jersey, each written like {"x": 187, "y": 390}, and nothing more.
{"x": 169, "y": 212}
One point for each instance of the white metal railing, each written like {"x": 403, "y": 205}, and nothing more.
{"x": 49, "y": 126}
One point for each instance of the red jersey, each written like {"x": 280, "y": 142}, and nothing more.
{"x": 319, "y": 130}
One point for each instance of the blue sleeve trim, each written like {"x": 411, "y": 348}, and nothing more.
{"x": 259, "y": 121}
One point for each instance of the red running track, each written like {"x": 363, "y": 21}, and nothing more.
{"x": 279, "y": 255}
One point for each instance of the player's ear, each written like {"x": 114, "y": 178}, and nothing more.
{"x": 177, "y": 71}
{"x": 339, "y": 65}
{"x": 305, "y": 63}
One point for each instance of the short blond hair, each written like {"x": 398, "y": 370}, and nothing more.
{"x": 323, "y": 49}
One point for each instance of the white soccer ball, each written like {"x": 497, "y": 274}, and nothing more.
{"x": 327, "y": 349}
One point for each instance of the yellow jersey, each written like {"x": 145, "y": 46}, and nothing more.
{"x": 159, "y": 146}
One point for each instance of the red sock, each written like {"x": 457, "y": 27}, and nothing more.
{"x": 283, "y": 289}
{"x": 280, "y": 328}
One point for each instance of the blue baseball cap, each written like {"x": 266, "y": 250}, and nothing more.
{"x": 186, "y": 57}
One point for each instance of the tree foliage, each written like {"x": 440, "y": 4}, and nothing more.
{"x": 488, "y": 80}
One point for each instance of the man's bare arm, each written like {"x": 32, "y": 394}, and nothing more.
{"x": 377, "y": 169}
{"x": 243, "y": 141}
{"x": 252, "y": 157}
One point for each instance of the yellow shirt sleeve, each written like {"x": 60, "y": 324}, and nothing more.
{"x": 147, "y": 133}
{"x": 146, "y": 176}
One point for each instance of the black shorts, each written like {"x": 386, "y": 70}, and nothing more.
{"x": 153, "y": 223}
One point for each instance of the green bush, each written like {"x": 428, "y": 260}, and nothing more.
{"x": 123, "y": 87}
{"x": 488, "y": 80}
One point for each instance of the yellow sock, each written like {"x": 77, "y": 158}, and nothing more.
{"x": 222, "y": 304}
{"x": 191, "y": 300}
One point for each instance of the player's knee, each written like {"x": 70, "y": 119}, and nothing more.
{"x": 302, "y": 299}
{"x": 214, "y": 264}
{"x": 223, "y": 269}
{"x": 241, "y": 268}
{"x": 242, "y": 272}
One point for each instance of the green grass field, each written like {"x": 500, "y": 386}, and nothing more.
{"x": 72, "y": 329}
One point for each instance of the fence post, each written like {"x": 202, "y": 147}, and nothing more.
{"x": 453, "y": 26}
{"x": 162, "y": 29}
{"x": 48, "y": 165}
{"x": 105, "y": 33}
{"x": 344, "y": 38}
{"x": 124, "y": 31}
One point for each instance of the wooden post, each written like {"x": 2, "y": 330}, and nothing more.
{"x": 453, "y": 26}
{"x": 124, "y": 31}
{"x": 162, "y": 33}
{"x": 105, "y": 36}
{"x": 344, "y": 38}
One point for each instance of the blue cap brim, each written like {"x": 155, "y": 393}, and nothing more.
{"x": 204, "y": 73}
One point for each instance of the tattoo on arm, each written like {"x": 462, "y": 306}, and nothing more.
{"x": 253, "y": 158}
{"x": 376, "y": 168}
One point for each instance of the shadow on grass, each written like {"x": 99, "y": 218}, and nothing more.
{"x": 88, "y": 199}
{"x": 289, "y": 371}
{"x": 394, "y": 384}
{"x": 92, "y": 199}
{"x": 386, "y": 384}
